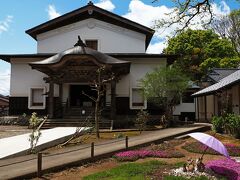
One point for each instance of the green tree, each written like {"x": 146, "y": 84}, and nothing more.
{"x": 196, "y": 46}
{"x": 220, "y": 63}
{"x": 165, "y": 85}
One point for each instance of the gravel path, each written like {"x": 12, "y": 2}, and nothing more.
{"x": 8, "y": 131}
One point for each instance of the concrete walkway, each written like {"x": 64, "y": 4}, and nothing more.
{"x": 19, "y": 145}
{"x": 26, "y": 166}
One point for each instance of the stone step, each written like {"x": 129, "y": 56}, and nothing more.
{"x": 74, "y": 123}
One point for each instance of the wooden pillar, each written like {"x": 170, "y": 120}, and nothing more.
{"x": 239, "y": 99}
{"x": 196, "y": 108}
{"x": 113, "y": 100}
{"x": 60, "y": 99}
{"x": 214, "y": 106}
{"x": 51, "y": 100}
{"x": 205, "y": 107}
{"x": 198, "y": 113}
{"x": 60, "y": 93}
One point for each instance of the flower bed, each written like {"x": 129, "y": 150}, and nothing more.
{"x": 225, "y": 167}
{"x": 137, "y": 154}
{"x": 198, "y": 147}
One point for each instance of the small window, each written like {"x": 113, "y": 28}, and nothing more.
{"x": 36, "y": 99}
{"x": 137, "y": 99}
{"x": 93, "y": 44}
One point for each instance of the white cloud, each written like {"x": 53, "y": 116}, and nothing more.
{"x": 156, "y": 48}
{"x": 147, "y": 14}
{"x": 5, "y": 82}
{"x": 221, "y": 9}
{"x": 4, "y": 25}
{"x": 106, "y": 4}
{"x": 52, "y": 12}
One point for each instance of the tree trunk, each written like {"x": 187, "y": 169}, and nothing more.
{"x": 97, "y": 116}
{"x": 169, "y": 114}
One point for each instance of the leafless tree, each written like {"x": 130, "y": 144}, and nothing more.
{"x": 98, "y": 85}
{"x": 184, "y": 13}
{"x": 229, "y": 27}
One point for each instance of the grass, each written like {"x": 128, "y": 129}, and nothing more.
{"x": 103, "y": 136}
{"x": 137, "y": 171}
{"x": 133, "y": 171}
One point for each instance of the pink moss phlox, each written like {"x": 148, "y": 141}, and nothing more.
{"x": 225, "y": 167}
{"x": 136, "y": 154}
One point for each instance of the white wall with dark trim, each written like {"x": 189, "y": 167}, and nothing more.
{"x": 111, "y": 38}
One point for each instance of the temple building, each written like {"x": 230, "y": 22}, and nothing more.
{"x": 58, "y": 79}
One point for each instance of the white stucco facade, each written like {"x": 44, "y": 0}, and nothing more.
{"x": 125, "y": 40}
{"x": 111, "y": 38}
{"x": 23, "y": 77}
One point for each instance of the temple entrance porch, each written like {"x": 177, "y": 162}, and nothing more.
{"x": 82, "y": 69}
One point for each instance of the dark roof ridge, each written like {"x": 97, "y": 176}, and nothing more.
{"x": 6, "y": 57}
{"x": 225, "y": 68}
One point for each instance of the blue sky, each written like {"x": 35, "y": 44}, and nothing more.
{"x": 17, "y": 16}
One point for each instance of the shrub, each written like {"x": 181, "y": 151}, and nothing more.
{"x": 230, "y": 123}
{"x": 225, "y": 167}
{"x": 35, "y": 123}
{"x": 218, "y": 124}
{"x": 141, "y": 120}
{"x": 233, "y": 123}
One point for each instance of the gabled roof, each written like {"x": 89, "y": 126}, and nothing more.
{"x": 224, "y": 83}
{"x": 91, "y": 11}
{"x": 219, "y": 73}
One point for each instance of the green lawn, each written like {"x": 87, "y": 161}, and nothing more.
{"x": 136, "y": 171}
{"x": 132, "y": 171}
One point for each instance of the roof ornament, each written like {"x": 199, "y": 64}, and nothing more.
{"x": 90, "y": 3}
{"x": 81, "y": 43}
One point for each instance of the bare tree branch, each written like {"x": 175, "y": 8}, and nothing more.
{"x": 90, "y": 97}
{"x": 185, "y": 12}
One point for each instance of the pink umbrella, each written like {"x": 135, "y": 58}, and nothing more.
{"x": 211, "y": 142}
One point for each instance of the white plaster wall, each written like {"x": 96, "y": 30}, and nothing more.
{"x": 184, "y": 107}
{"x": 111, "y": 38}
{"x": 139, "y": 68}
{"x": 23, "y": 77}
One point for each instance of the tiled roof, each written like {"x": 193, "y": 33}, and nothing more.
{"x": 223, "y": 83}
{"x": 78, "y": 50}
{"x": 219, "y": 73}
